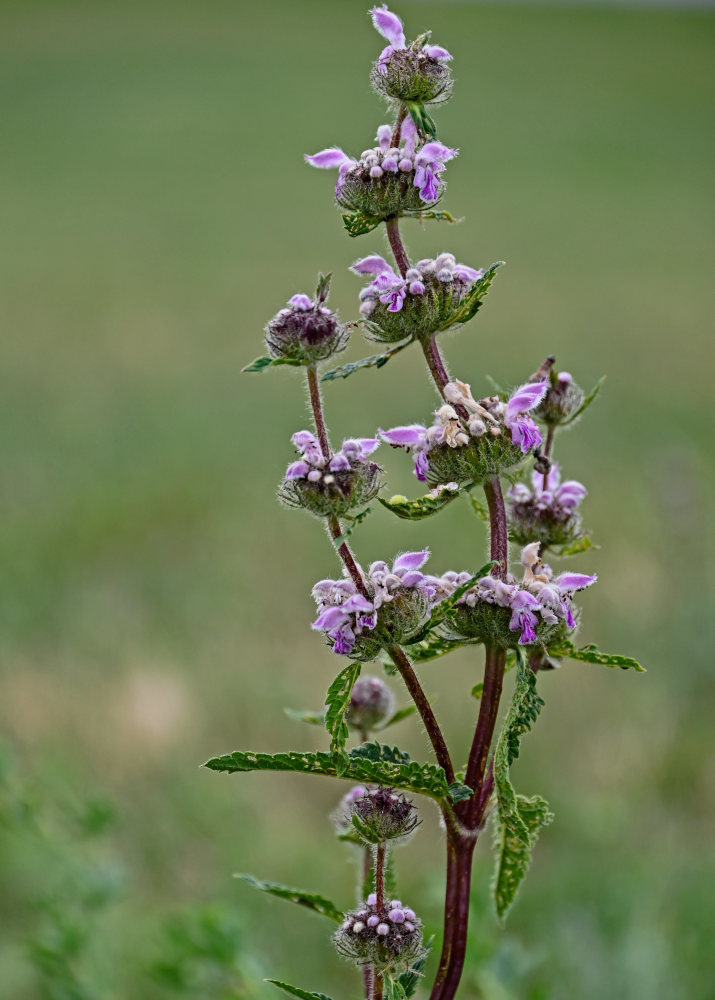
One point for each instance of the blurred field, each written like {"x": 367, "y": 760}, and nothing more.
{"x": 154, "y": 212}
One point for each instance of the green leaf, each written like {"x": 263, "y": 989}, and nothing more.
{"x": 586, "y": 403}
{"x": 337, "y": 702}
{"x": 358, "y": 224}
{"x": 400, "y": 714}
{"x": 323, "y": 289}
{"x": 422, "y": 779}
{"x": 374, "y": 361}
{"x": 356, "y": 520}
{"x": 260, "y": 364}
{"x": 312, "y": 718}
{"x": 472, "y": 301}
{"x": 422, "y": 119}
{"x": 441, "y": 610}
{"x": 416, "y": 510}
{"x": 479, "y": 508}
{"x": 381, "y": 752}
{"x": 576, "y": 547}
{"x": 592, "y": 654}
{"x": 519, "y": 818}
{"x": 431, "y": 648}
{"x": 296, "y": 991}
{"x": 311, "y": 900}
{"x": 459, "y": 792}
{"x": 477, "y": 690}
{"x": 410, "y": 980}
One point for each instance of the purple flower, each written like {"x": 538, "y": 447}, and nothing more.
{"x": 437, "y": 52}
{"x": 409, "y": 436}
{"x": 410, "y": 560}
{"x": 429, "y": 163}
{"x": 298, "y": 470}
{"x": 374, "y": 265}
{"x": 327, "y": 159}
{"x": 464, "y": 273}
{"x": 524, "y": 432}
{"x": 302, "y": 302}
{"x": 574, "y": 581}
{"x": 389, "y": 26}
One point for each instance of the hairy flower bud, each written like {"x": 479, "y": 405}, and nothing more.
{"x": 425, "y": 301}
{"x": 563, "y": 396}
{"x": 390, "y": 938}
{"x": 382, "y": 814}
{"x": 372, "y": 704}
{"x": 335, "y": 485}
{"x": 306, "y": 331}
{"x": 417, "y": 73}
{"x": 546, "y": 513}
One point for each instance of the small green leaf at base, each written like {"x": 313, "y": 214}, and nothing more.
{"x": 337, "y": 703}
{"x": 441, "y": 610}
{"x": 296, "y": 991}
{"x": 260, "y": 364}
{"x": 432, "y": 647}
{"x": 374, "y": 361}
{"x": 311, "y": 900}
{"x": 359, "y": 224}
{"x": 474, "y": 299}
{"x": 575, "y": 548}
{"x": 592, "y": 654}
{"x": 431, "y": 503}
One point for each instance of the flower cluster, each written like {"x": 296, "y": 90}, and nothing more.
{"x": 471, "y": 440}
{"x": 538, "y": 607}
{"x": 561, "y": 400}
{"x": 382, "y": 814}
{"x": 548, "y": 511}
{"x": 306, "y": 331}
{"x": 426, "y": 300}
{"x": 331, "y": 485}
{"x": 398, "y": 604}
{"x": 388, "y": 180}
{"x": 372, "y": 704}
{"x": 383, "y": 938}
{"x": 417, "y": 73}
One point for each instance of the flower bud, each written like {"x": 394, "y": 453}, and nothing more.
{"x": 546, "y": 513}
{"x": 306, "y": 331}
{"x": 382, "y": 814}
{"x": 417, "y": 72}
{"x": 563, "y": 396}
{"x": 390, "y": 939}
{"x": 372, "y": 704}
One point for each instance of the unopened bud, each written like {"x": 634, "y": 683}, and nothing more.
{"x": 372, "y": 704}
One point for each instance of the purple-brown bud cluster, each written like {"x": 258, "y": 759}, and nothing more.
{"x": 383, "y": 938}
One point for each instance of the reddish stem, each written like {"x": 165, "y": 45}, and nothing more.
{"x": 495, "y": 660}
{"x": 316, "y": 405}
{"x": 396, "y": 245}
{"x": 498, "y": 525}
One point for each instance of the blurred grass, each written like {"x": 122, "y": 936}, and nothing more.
{"x": 154, "y": 212}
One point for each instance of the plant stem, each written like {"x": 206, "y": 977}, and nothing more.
{"x": 392, "y": 226}
{"x": 401, "y": 115}
{"x": 347, "y": 557}
{"x": 548, "y": 447}
{"x": 498, "y": 526}
{"x": 380, "y": 856}
{"x": 460, "y": 851}
{"x": 494, "y": 662}
{"x": 316, "y": 404}
{"x": 406, "y": 670}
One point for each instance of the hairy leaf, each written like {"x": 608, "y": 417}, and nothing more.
{"x": 416, "y": 510}
{"x": 410, "y": 980}
{"x": 519, "y": 818}
{"x": 432, "y": 647}
{"x": 296, "y": 991}
{"x": 374, "y": 361}
{"x": 381, "y": 751}
{"x": 441, "y": 610}
{"x": 592, "y": 654}
{"x": 260, "y": 364}
{"x": 458, "y": 791}
{"x": 587, "y": 402}
{"x": 358, "y": 224}
{"x": 323, "y": 288}
{"x": 337, "y": 702}
{"x": 356, "y": 519}
{"x": 424, "y": 122}
{"x": 472, "y": 301}
{"x": 574, "y": 548}
{"x": 311, "y": 900}
{"x": 422, "y": 779}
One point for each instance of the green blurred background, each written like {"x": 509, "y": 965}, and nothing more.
{"x": 154, "y": 213}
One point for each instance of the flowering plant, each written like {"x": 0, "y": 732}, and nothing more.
{"x": 395, "y": 613}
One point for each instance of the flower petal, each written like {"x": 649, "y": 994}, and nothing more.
{"x": 329, "y": 158}
{"x": 437, "y": 52}
{"x": 410, "y": 560}
{"x": 525, "y": 398}
{"x": 389, "y": 25}
{"x": 301, "y": 301}
{"x": 298, "y": 470}
{"x": 409, "y": 436}
{"x": 329, "y": 619}
{"x": 574, "y": 581}
{"x": 375, "y": 264}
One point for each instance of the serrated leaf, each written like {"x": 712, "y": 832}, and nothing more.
{"x": 410, "y": 979}
{"x": 576, "y": 547}
{"x": 459, "y": 792}
{"x": 296, "y": 991}
{"x": 586, "y": 403}
{"x": 431, "y": 503}
{"x": 311, "y": 900}
{"x": 441, "y": 610}
{"x": 519, "y": 818}
{"x": 260, "y": 364}
{"x": 359, "y": 224}
{"x": 312, "y": 718}
{"x": 422, "y": 119}
{"x": 356, "y": 519}
{"x": 337, "y": 702}
{"x": 400, "y": 714}
{"x": 422, "y": 779}
{"x": 374, "y": 361}
{"x": 479, "y": 508}
{"x": 592, "y": 654}
{"x": 381, "y": 752}
{"x": 472, "y": 301}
